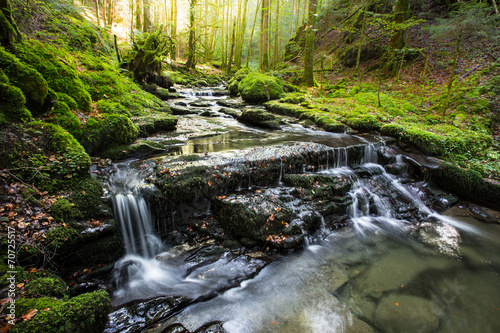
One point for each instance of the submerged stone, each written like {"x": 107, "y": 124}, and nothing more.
{"x": 404, "y": 313}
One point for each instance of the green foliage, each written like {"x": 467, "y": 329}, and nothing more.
{"x": 64, "y": 117}
{"x": 146, "y": 57}
{"x": 86, "y": 313}
{"x": 26, "y": 78}
{"x": 256, "y": 88}
{"x": 108, "y": 131}
{"x": 23, "y": 305}
{"x": 46, "y": 286}
{"x": 87, "y": 197}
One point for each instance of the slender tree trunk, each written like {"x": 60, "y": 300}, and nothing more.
{"x": 398, "y": 41}
{"x": 264, "y": 36}
{"x": 277, "y": 25}
{"x": 496, "y": 7}
{"x": 251, "y": 34}
{"x": 232, "y": 48}
{"x": 138, "y": 15}
{"x": 147, "y": 15}
{"x": 191, "y": 60}
{"x": 173, "y": 27}
{"x": 308, "y": 76}
{"x": 97, "y": 13}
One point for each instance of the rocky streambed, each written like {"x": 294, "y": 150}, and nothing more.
{"x": 269, "y": 226}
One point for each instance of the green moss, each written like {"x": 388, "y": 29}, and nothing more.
{"x": 12, "y": 105}
{"x": 86, "y": 313}
{"x": 26, "y": 78}
{"x": 109, "y": 131}
{"x": 155, "y": 123}
{"x": 62, "y": 115}
{"x": 64, "y": 211}
{"x": 256, "y": 88}
{"x": 67, "y": 99}
{"x": 439, "y": 140}
{"x": 87, "y": 197}
{"x": 46, "y": 286}
{"x": 61, "y": 237}
{"x": 467, "y": 183}
{"x": 236, "y": 79}
{"x": 58, "y": 68}
{"x": 261, "y": 118}
{"x": 24, "y": 305}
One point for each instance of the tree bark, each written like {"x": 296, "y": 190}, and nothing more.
{"x": 251, "y": 34}
{"x": 147, "y": 15}
{"x": 191, "y": 60}
{"x": 264, "y": 36}
{"x": 308, "y": 76}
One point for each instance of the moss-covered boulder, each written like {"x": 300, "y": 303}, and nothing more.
{"x": 26, "y": 78}
{"x": 45, "y": 155}
{"x": 50, "y": 286}
{"x": 154, "y": 123}
{"x": 108, "y": 131}
{"x": 257, "y": 88}
{"x": 87, "y": 197}
{"x": 58, "y": 68}
{"x": 232, "y": 84}
{"x": 86, "y": 313}
{"x": 62, "y": 115}
{"x": 467, "y": 183}
{"x": 261, "y": 118}
{"x": 12, "y": 103}
{"x": 65, "y": 211}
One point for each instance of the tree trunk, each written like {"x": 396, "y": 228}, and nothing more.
{"x": 397, "y": 41}
{"x": 277, "y": 26}
{"x": 138, "y": 15}
{"x": 147, "y": 15}
{"x": 251, "y": 34}
{"x": 229, "y": 62}
{"x": 452, "y": 74}
{"x": 173, "y": 27}
{"x": 308, "y": 76}
{"x": 97, "y": 13}
{"x": 264, "y": 36}
{"x": 191, "y": 60}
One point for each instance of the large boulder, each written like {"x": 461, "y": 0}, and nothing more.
{"x": 257, "y": 88}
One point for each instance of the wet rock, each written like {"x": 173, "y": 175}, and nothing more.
{"x": 164, "y": 94}
{"x": 402, "y": 313}
{"x": 231, "y": 112}
{"x": 149, "y": 125}
{"x": 484, "y": 214}
{"x": 359, "y": 326}
{"x": 213, "y": 327}
{"x": 180, "y": 110}
{"x": 181, "y": 103}
{"x": 201, "y": 104}
{"x": 234, "y": 104}
{"x": 261, "y": 118}
{"x": 396, "y": 169}
{"x": 175, "y": 328}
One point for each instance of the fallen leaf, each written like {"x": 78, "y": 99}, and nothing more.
{"x": 28, "y": 315}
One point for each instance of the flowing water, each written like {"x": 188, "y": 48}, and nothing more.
{"x": 397, "y": 266}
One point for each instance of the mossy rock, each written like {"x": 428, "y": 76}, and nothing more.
{"x": 87, "y": 197}
{"x": 26, "y": 78}
{"x": 64, "y": 211}
{"x": 160, "y": 122}
{"x": 110, "y": 107}
{"x": 62, "y": 115}
{"x": 86, "y": 313}
{"x": 46, "y": 286}
{"x": 45, "y": 155}
{"x": 23, "y": 305}
{"x": 109, "y": 131}
{"x": 467, "y": 183}
{"x": 58, "y": 68}
{"x": 12, "y": 105}
{"x": 261, "y": 118}
{"x": 439, "y": 140}
{"x": 257, "y": 88}
{"x": 236, "y": 79}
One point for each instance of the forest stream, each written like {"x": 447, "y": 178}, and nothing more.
{"x": 364, "y": 245}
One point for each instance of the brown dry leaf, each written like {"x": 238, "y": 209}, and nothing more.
{"x": 5, "y": 328}
{"x": 28, "y": 315}
{"x": 5, "y": 301}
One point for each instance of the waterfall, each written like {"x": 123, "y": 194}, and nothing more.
{"x": 134, "y": 218}
{"x": 133, "y": 215}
